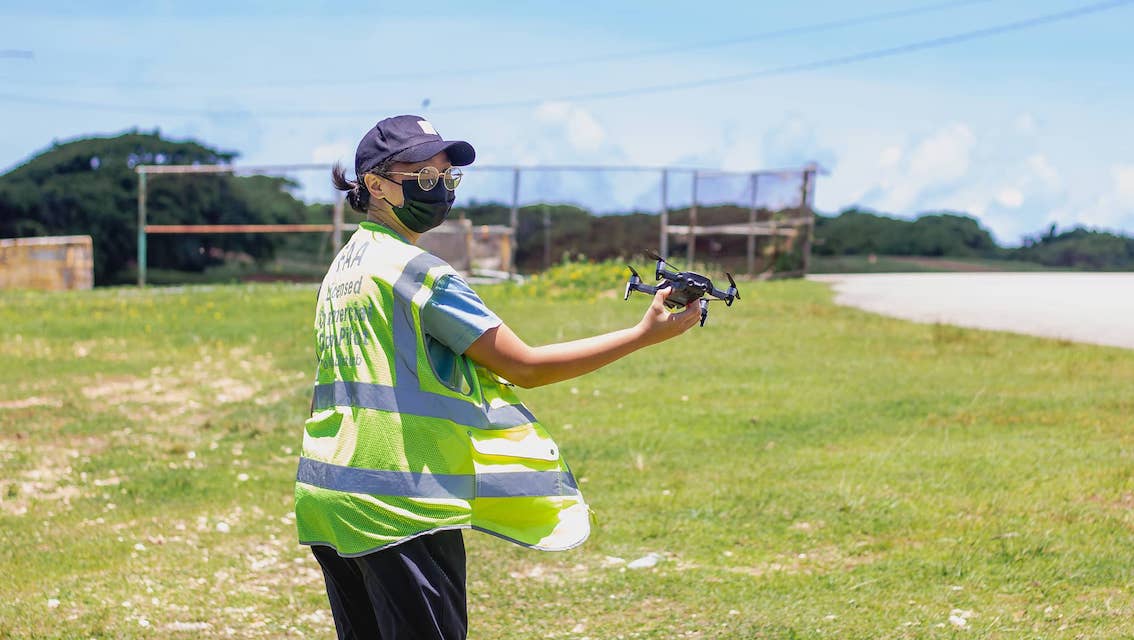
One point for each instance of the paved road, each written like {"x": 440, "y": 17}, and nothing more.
{"x": 1085, "y": 307}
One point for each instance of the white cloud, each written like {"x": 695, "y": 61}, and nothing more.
{"x": 1039, "y": 165}
{"x": 944, "y": 156}
{"x": 1025, "y": 124}
{"x": 793, "y": 142}
{"x": 1014, "y": 189}
{"x": 890, "y": 157}
{"x": 582, "y": 131}
{"x": 1010, "y": 197}
{"x": 559, "y": 133}
{"x": 1123, "y": 176}
{"x": 930, "y": 165}
{"x": 1114, "y": 207}
{"x": 740, "y": 153}
{"x": 339, "y": 151}
{"x": 1110, "y": 207}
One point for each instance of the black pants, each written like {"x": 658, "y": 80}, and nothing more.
{"x": 414, "y": 590}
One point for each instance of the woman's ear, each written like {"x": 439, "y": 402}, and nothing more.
{"x": 373, "y": 185}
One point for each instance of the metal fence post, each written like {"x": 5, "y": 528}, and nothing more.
{"x": 808, "y": 191}
{"x": 546, "y": 237}
{"x": 141, "y": 227}
{"x": 690, "y": 252}
{"x": 515, "y": 221}
{"x": 663, "y": 240}
{"x": 751, "y": 248}
{"x": 337, "y": 225}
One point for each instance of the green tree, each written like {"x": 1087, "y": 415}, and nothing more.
{"x": 858, "y": 232}
{"x": 1079, "y": 248}
{"x": 89, "y": 186}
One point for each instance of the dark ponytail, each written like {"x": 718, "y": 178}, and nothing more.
{"x": 357, "y": 194}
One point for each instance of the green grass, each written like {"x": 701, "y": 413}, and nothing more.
{"x": 803, "y": 470}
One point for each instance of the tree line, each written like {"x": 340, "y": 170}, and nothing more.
{"x": 89, "y": 186}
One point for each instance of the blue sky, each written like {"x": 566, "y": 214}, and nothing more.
{"x": 1021, "y": 129}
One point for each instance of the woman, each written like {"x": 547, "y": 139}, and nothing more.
{"x": 415, "y": 432}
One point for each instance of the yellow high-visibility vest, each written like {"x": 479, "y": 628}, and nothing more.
{"x": 391, "y": 450}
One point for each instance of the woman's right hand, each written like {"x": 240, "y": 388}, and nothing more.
{"x": 659, "y": 324}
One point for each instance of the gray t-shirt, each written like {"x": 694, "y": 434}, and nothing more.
{"x": 452, "y": 320}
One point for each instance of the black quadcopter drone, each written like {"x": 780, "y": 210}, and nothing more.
{"x": 688, "y": 287}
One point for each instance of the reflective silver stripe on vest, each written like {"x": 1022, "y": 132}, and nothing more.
{"x": 408, "y": 484}
{"x": 365, "y": 395}
{"x": 386, "y": 483}
{"x": 525, "y": 484}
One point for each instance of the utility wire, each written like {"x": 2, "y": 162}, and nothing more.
{"x": 825, "y": 63}
{"x": 873, "y": 54}
{"x": 662, "y": 51}
{"x": 577, "y": 61}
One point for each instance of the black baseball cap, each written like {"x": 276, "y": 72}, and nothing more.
{"x": 407, "y": 139}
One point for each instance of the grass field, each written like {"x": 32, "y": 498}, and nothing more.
{"x": 800, "y": 470}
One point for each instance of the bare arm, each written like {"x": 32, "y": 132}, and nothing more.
{"x": 502, "y": 351}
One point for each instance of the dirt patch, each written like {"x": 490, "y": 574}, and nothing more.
{"x": 34, "y": 401}
{"x": 817, "y": 561}
{"x": 20, "y": 347}
{"x": 123, "y": 388}
{"x": 1125, "y": 502}
{"x": 52, "y": 480}
{"x": 214, "y": 378}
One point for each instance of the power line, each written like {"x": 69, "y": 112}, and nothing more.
{"x": 661, "y": 51}
{"x": 838, "y": 61}
{"x": 594, "y": 59}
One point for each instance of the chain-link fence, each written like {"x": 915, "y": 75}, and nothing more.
{"x": 751, "y": 222}
{"x": 507, "y": 219}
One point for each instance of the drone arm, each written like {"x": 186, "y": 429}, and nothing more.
{"x": 637, "y": 286}
{"x": 727, "y": 296}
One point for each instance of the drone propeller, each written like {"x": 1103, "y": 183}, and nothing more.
{"x": 654, "y": 255}
{"x": 732, "y": 285}
{"x": 659, "y": 271}
{"x": 634, "y": 279}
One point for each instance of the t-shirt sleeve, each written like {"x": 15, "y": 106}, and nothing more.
{"x": 456, "y": 316}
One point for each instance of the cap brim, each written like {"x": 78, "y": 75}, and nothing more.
{"x": 460, "y": 153}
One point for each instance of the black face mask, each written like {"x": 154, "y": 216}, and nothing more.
{"x": 423, "y": 209}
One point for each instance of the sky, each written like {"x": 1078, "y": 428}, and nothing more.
{"x": 1022, "y": 123}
